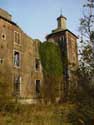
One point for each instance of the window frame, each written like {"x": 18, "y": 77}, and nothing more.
{"x": 17, "y": 90}
{"x": 19, "y": 58}
{"x": 19, "y": 34}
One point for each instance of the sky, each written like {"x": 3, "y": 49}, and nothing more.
{"x": 38, "y": 17}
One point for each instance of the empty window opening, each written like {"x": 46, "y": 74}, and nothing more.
{"x": 38, "y": 86}
{"x": 37, "y": 64}
{"x": 16, "y": 58}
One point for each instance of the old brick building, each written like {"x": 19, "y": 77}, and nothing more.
{"x": 68, "y": 45}
{"x": 19, "y": 56}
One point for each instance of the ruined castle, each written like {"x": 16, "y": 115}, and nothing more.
{"x": 19, "y": 55}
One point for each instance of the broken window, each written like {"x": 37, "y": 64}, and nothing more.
{"x": 16, "y": 58}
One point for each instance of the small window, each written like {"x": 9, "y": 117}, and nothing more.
{"x": 16, "y": 58}
{"x": 1, "y": 60}
{"x": 37, "y": 64}
{"x": 17, "y": 82}
{"x": 3, "y": 36}
{"x": 17, "y": 37}
{"x": 37, "y": 86}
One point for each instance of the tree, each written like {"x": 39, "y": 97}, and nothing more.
{"x": 87, "y": 35}
{"x": 87, "y": 42}
{"x": 85, "y": 91}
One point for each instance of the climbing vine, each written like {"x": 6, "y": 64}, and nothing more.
{"x": 50, "y": 56}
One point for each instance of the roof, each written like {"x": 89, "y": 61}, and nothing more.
{"x": 9, "y": 21}
{"x": 61, "y": 17}
{"x": 13, "y": 23}
{"x": 4, "y": 11}
{"x": 49, "y": 35}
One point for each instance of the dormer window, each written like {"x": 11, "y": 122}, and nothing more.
{"x": 17, "y": 37}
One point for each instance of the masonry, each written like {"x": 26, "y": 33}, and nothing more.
{"x": 19, "y": 56}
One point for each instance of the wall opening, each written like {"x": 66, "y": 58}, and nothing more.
{"x": 17, "y": 82}
{"x": 16, "y": 58}
{"x": 37, "y": 87}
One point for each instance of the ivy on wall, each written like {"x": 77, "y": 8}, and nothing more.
{"x": 51, "y": 58}
{"x": 51, "y": 61}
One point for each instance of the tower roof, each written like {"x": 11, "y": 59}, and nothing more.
{"x": 61, "y": 16}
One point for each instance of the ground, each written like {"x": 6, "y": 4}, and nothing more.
{"x": 56, "y": 114}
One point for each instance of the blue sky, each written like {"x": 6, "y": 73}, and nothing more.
{"x": 38, "y": 17}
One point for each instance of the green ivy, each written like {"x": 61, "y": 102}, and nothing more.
{"x": 51, "y": 58}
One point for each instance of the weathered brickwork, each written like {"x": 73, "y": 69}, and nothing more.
{"x": 19, "y": 56}
{"x": 18, "y": 53}
{"x": 68, "y": 44}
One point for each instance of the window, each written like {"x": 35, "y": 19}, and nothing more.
{"x": 1, "y": 60}
{"x": 17, "y": 82}
{"x": 17, "y": 37}
{"x": 37, "y": 64}
{"x": 16, "y": 58}
{"x": 37, "y": 87}
{"x": 3, "y": 36}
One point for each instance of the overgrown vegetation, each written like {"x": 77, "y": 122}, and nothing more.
{"x": 52, "y": 68}
{"x": 79, "y": 110}
{"x": 83, "y": 96}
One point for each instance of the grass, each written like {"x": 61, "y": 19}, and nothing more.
{"x": 53, "y": 114}
{"x": 36, "y": 114}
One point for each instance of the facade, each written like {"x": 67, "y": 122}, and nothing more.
{"x": 68, "y": 45}
{"x": 19, "y": 56}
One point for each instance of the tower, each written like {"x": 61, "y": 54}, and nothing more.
{"x": 67, "y": 42}
{"x": 61, "y": 20}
